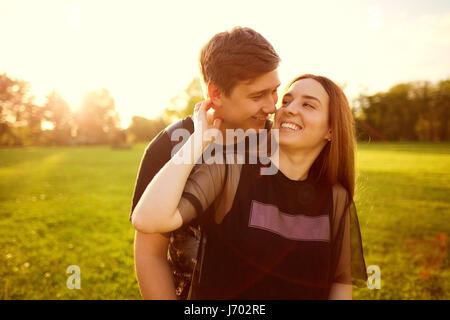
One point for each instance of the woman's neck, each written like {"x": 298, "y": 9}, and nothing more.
{"x": 295, "y": 165}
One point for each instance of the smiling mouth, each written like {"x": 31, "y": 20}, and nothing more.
{"x": 290, "y": 127}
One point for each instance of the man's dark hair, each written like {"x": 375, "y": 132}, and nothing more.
{"x": 236, "y": 55}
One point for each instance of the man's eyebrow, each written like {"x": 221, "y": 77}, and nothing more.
{"x": 257, "y": 93}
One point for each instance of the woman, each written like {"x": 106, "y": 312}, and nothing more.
{"x": 291, "y": 235}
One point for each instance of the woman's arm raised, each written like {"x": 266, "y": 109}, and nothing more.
{"x": 157, "y": 210}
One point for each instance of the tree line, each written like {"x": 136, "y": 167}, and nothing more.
{"x": 414, "y": 111}
{"x": 25, "y": 123}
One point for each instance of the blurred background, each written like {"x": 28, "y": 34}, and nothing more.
{"x": 86, "y": 85}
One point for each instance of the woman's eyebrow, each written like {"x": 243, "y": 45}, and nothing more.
{"x": 311, "y": 97}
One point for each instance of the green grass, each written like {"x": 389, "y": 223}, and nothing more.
{"x": 70, "y": 206}
{"x": 404, "y": 209}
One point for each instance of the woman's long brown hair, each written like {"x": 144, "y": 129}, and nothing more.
{"x": 336, "y": 162}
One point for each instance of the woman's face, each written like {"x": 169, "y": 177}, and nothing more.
{"x": 302, "y": 119}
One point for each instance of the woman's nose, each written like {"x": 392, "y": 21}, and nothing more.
{"x": 291, "y": 109}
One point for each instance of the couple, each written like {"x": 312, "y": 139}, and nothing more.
{"x": 293, "y": 234}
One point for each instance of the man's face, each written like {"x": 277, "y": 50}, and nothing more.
{"x": 250, "y": 103}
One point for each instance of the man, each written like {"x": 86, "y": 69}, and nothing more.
{"x": 239, "y": 71}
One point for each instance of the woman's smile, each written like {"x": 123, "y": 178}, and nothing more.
{"x": 290, "y": 127}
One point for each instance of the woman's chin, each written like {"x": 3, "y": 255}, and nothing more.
{"x": 288, "y": 134}
{"x": 287, "y": 140}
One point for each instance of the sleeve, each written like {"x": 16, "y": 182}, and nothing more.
{"x": 203, "y": 186}
{"x": 347, "y": 250}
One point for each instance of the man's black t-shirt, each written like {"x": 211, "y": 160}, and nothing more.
{"x": 157, "y": 153}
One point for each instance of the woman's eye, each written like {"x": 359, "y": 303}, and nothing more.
{"x": 308, "y": 105}
{"x": 284, "y": 103}
{"x": 257, "y": 98}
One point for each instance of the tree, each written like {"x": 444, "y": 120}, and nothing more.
{"x": 57, "y": 112}
{"x": 144, "y": 130}
{"x": 182, "y": 104}
{"x": 20, "y": 118}
{"x": 97, "y": 118}
{"x": 441, "y": 105}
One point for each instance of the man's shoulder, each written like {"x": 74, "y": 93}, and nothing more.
{"x": 186, "y": 123}
{"x": 163, "y": 137}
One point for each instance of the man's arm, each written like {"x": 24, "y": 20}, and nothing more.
{"x": 150, "y": 250}
{"x": 152, "y": 269}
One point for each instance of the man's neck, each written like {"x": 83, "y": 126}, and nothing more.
{"x": 234, "y": 139}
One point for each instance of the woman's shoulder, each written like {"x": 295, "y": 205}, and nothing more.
{"x": 340, "y": 196}
{"x": 339, "y": 189}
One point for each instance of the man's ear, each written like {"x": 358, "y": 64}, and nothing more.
{"x": 215, "y": 95}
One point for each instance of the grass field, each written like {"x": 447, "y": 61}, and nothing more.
{"x": 70, "y": 206}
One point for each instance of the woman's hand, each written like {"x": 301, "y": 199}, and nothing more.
{"x": 206, "y": 126}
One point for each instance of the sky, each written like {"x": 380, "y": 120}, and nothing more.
{"x": 145, "y": 52}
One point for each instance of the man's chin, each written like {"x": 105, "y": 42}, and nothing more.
{"x": 258, "y": 125}
{"x": 256, "y": 129}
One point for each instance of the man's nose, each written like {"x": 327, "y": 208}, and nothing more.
{"x": 270, "y": 106}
